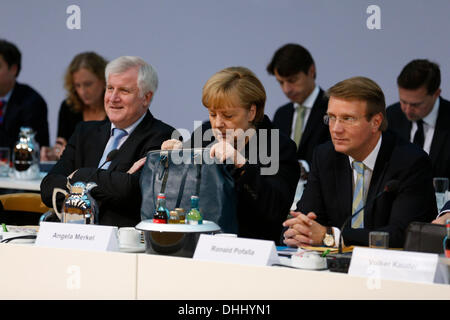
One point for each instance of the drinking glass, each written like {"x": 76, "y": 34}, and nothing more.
{"x": 440, "y": 189}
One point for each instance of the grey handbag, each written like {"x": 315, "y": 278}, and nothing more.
{"x": 186, "y": 172}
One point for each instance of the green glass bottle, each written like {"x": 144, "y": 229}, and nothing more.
{"x": 194, "y": 216}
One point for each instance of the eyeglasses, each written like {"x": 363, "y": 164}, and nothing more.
{"x": 346, "y": 120}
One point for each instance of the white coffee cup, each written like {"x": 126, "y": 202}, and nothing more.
{"x": 129, "y": 237}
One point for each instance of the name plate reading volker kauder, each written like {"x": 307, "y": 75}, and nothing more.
{"x": 236, "y": 250}
{"x": 77, "y": 236}
{"x": 377, "y": 264}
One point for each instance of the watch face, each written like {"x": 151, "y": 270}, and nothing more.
{"x": 328, "y": 240}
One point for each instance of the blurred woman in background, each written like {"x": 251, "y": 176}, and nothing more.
{"x": 84, "y": 82}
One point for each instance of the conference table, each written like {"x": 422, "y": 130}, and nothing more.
{"x": 53, "y": 273}
{"x": 18, "y": 184}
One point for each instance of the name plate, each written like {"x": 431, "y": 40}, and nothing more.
{"x": 77, "y": 236}
{"x": 236, "y": 250}
{"x": 393, "y": 265}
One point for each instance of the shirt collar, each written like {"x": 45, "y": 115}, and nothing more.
{"x": 131, "y": 128}
{"x": 309, "y": 102}
{"x": 369, "y": 161}
{"x": 7, "y": 96}
{"x": 431, "y": 118}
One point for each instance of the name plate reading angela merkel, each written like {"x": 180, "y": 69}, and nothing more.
{"x": 380, "y": 264}
{"x": 236, "y": 250}
{"x": 77, "y": 236}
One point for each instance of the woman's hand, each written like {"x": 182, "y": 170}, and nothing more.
{"x": 137, "y": 165}
{"x": 55, "y": 152}
{"x": 59, "y": 147}
{"x": 171, "y": 144}
{"x": 224, "y": 151}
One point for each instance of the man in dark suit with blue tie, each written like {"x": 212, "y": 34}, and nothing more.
{"x": 301, "y": 118}
{"x": 349, "y": 172}
{"x": 130, "y": 128}
{"x": 20, "y": 105}
{"x": 422, "y": 116}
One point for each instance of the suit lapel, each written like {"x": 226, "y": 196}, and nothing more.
{"x": 289, "y": 118}
{"x": 441, "y": 131}
{"x": 128, "y": 148}
{"x": 343, "y": 184}
{"x": 314, "y": 118}
{"x": 97, "y": 144}
{"x": 377, "y": 181}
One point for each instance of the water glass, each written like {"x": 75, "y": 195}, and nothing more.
{"x": 379, "y": 239}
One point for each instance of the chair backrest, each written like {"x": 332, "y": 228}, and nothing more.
{"x": 26, "y": 201}
{"x": 22, "y": 208}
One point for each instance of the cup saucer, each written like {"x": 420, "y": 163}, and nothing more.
{"x": 132, "y": 249}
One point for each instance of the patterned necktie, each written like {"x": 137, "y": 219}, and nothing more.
{"x": 117, "y": 134}
{"x": 299, "y": 124}
{"x": 2, "y": 104}
{"x": 358, "y": 195}
{"x": 419, "y": 136}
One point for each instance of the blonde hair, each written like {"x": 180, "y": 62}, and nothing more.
{"x": 363, "y": 89}
{"x": 235, "y": 85}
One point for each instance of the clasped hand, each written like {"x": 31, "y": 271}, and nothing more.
{"x": 303, "y": 230}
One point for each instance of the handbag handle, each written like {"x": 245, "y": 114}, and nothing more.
{"x": 164, "y": 175}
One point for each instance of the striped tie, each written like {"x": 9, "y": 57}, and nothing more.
{"x": 358, "y": 199}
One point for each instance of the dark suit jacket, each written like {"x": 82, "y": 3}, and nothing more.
{"x": 329, "y": 191}
{"x": 315, "y": 132}
{"x": 263, "y": 201}
{"x": 25, "y": 108}
{"x": 118, "y": 193}
{"x": 440, "y": 145}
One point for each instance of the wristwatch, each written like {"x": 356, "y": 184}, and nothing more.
{"x": 328, "y": 240}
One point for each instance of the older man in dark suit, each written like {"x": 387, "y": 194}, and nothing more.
{"x": 131, "y": 129}
{"x": 20, "y": 105}
{"x": 301, "y": 119}
{"x": 422, "y": 116}
{"x": 349, "y": 172}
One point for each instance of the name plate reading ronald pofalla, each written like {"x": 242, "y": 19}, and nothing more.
{"x": 77, "y": 236}
{"x": 236, "y": 250}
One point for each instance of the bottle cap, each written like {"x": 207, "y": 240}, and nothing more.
{"x": 173, "y": 213}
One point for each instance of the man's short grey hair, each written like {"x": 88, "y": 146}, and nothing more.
{"x": 147, "y": 77}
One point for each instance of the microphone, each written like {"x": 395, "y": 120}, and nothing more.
{"x": 110, "y": 157}
{"x": 391, "y": 186}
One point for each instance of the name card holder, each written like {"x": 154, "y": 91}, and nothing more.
{"x": 394, "y": 265}
{"x": 236, "y": 250}
{"x": 77, "y": 236}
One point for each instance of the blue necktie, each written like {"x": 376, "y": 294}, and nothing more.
{"x": 358, "y": 196}
{"x": 117, "y": 134}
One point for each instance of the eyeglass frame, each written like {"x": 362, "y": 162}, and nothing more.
{"x": 348, "y": 122}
